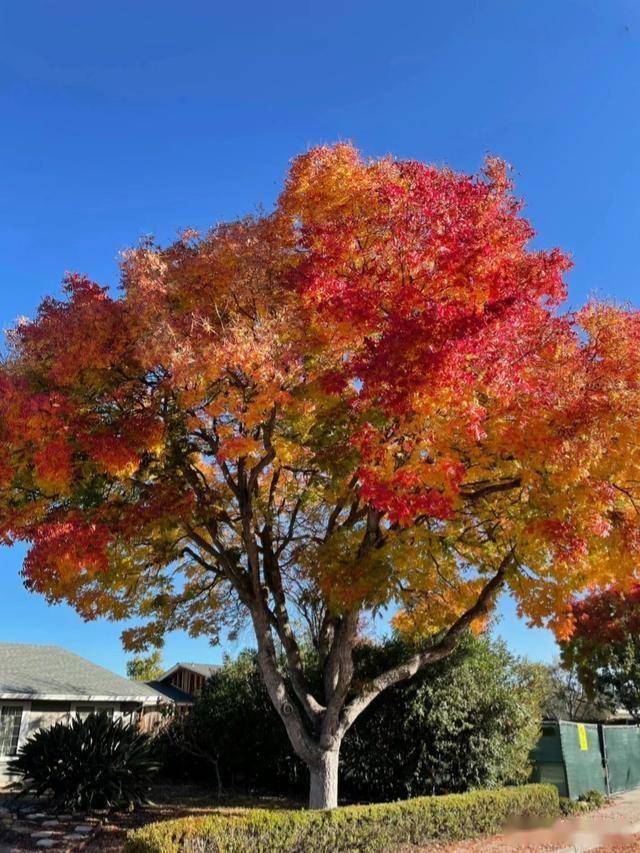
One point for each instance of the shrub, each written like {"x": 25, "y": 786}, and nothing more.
{"x": 92, "y": 763}
{"x": 590, "y": 801}
{"x": 233, "y": 731}
{"x": 469, "y": 721}
{"x": 352, "y": 828}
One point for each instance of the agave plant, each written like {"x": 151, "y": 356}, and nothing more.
{"x": 92, "y": 763}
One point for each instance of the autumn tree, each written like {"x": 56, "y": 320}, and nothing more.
{"x": 604, "y": 648}
{"x": 368, "y": 398}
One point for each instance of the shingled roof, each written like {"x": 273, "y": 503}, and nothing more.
{"x": 49, "y": 672}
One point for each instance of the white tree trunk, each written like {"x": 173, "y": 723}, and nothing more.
{"x": 323, "y": 791}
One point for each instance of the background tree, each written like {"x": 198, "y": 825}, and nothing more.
{"x": 567, "y": 699}
{"x": 604, "y": 648}
{"x": 366, "y": 398}
{"x": 146, "y": 668}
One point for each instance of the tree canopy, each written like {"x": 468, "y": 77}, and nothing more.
{"x": 604, "y": 648}
{"x": 368, "y": 397}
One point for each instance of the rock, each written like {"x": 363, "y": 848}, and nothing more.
{"x": 42, "y": 833}
{"x": 21, "y": 829}
{"x": 83, "y": 829}
{"x": 75, "y": 836}
{"x": 51, "y": 822}
{"x": 46, "y": 842}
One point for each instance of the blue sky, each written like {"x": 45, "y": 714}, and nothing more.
{"x": 121, "y": 119}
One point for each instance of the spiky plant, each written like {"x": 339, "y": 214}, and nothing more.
{"x": 97, "y": 762}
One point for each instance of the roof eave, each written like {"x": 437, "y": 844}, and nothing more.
{"x": 75, "y": 697}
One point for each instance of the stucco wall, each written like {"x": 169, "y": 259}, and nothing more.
{"x": 38, "y": 715}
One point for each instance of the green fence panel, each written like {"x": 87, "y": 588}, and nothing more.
{"x": 622, "y": 750}
{"x": 547, "y": 759}
{"x": 582, "y": 755}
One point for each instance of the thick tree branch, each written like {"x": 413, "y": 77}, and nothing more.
{"x": 440, "y": 650}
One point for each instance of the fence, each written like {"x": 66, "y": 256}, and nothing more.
{"x": 580, "y": 757}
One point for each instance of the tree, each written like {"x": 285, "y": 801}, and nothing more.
{"x": 366, "y": 398}
{"x": 604, "y": 648}
{"x": 145, "y": 668}
{"x": 567, "y": 699}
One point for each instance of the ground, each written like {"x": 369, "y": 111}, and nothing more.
{"x": 616, "y": 827}
{"x": 168, "y": 802}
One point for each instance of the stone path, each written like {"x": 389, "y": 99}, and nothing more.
{"x": 26, "y": 828}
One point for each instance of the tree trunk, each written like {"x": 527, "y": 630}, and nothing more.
{"x": 323, "y": 791}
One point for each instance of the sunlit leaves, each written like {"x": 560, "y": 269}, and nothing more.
{"x": 381, "y": 361}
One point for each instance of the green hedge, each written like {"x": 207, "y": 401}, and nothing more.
{"x": 353, "y": 828}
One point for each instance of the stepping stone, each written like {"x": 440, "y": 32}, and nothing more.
{"x": 21, "y": 829}
{"x": 50, "y": 822}
{"x": 83, "y": 829}
{"x": 43, "y": 833}
{"x": 46, "y": 842}
{"x": 75, "y": 836}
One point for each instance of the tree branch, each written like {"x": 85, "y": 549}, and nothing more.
{"x": 440, "y": 650}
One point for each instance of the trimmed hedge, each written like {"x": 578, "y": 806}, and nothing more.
{"x": 379, "y": 827}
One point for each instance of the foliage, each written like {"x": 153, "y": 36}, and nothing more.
{"x": 367, "y": 398}
{"x": 90, "y": 763}
{"x": 470, "y": 720}
{"x": 353, "y": 828}
{"x": 590, "y": 801}
{"x": 604, "y": 647}
{"x": 234, "y": 730}
{"x": 567, "y": 699}
{"x": 146, "y": 668}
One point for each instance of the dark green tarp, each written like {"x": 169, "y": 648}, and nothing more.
{"x": 622, "y": 752}
{"x": 569, "y": 756}
{"x": 583, "y": 767}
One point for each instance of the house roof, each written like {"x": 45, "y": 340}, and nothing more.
{"x": 204, "y": 669}
{"x": 49, "y": 672}
{"x": 174, "y": 694}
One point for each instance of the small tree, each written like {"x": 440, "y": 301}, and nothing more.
{"x": 145, "y": 668}
{"x": 567, "y": 699}
{"x": 365, "y": 399}
{"x": 604, "y": 648}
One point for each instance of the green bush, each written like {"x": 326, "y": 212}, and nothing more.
{"x": 372, "y": 828}
{"x": 590, "y": 801}
{"x": 469, "y": 721}
{"x": 92, "y": 763}
{"x": 235, "y": 729}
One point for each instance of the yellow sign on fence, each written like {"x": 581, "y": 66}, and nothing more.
{"x": 582, "y": 737}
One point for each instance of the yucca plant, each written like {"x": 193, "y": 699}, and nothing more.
{"x": 92, "y": 763}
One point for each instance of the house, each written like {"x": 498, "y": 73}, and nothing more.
{"x": 43, "y": 685}
{"x": 186, "y": 677}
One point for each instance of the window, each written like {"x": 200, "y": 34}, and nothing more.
{"x": 83, "y": 711}
{"x": 10, "y": 720}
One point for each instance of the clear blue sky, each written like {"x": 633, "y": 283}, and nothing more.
{"x": 126, "y": 118}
